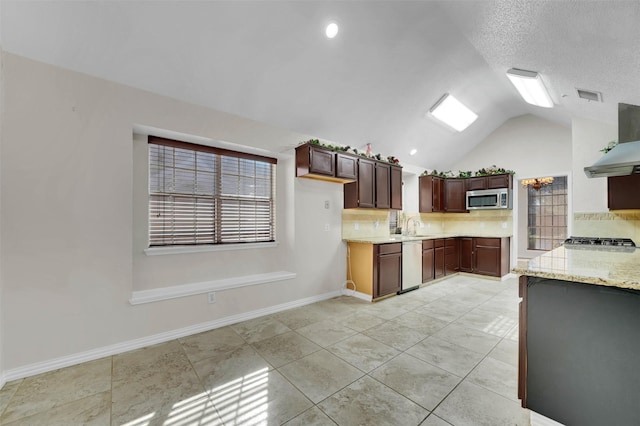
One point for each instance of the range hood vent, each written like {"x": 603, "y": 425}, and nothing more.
{"x": 623, "y": 159}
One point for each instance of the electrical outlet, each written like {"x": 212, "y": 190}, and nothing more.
{"x": 212, "y": 297}
{"x": 504, "y": 225}
{"x": 376, "y": 224}
{"x": 356, "y": 226}
{"x": 326, "y": 226}
{"x": 326, "y": 204}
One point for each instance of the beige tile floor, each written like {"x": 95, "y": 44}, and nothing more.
{"x": 442, "y": 355}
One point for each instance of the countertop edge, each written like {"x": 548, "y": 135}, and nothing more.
{"x": 400, "y": 239}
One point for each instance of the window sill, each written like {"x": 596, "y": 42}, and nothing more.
{"x": 156, "y": 251}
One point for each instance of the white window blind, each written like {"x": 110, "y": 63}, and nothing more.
{"x": 205, "y": 195}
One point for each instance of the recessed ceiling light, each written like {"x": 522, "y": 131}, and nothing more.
{"x": 453, "y": 113}
{"x": 530, "y": 86}
{"x": 413, "y": 151}
{"x": 332, "y": 30}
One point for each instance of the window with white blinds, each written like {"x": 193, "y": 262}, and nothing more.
{"x": 205, "y": 195}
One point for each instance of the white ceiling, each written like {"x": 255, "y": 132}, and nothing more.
{"x": 391, "y": 61}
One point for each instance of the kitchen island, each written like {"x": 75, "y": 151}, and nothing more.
{"x": 580, "y": 336}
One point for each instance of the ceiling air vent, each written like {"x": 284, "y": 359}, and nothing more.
{"x": 589, "y": 95}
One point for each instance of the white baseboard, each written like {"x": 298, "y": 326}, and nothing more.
{"x": 118, "y": 348}
{"x": 3, "y": 380}
{"x": 347, "y": 292}
{"x": 165, "y": 293}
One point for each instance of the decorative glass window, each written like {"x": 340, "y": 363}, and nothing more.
{"x": 547, "y": 215}
{"x": 204, "y": 195}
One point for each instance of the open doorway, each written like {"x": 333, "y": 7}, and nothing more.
{"x": 543, "y": 214}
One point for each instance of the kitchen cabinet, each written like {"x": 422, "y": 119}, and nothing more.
{"x": 428, "y": 261}
{"x": 500, "y": 181}
{"x": 623, "y": 192}
{"x": 346, "y": 166}
{"x": 455, "y": 196}
{"x": 383, "y": 186}
{"x": 316, "y": 162}
{"x": 489, "y": 182}
{"x": 466, "y": 254}
{"x": 388, "y": 269}
{"x": 451, "y": 256}
{"x": 396, "y": 188}
{"x": 376, "y": 269}
{"x": 379, "y": 185}
{"x": 485, "y": 256}
{"x": 361, "y": 193}
{"x": 578, "y": 346}
{"x": 431, "y": 194}
{"x": 438, "y": 258}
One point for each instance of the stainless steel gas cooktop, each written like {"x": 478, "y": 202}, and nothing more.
{"x": 598, "y": 243}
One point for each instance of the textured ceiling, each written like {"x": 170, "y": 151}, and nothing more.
{"x": 374, "y": 82}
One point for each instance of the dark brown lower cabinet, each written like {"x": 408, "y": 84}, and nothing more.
{"x": 387, "y": 274}
{"x": 427, "y": 261}
{"x": 466, "y": 254}
{"x": 451, "y": 256}
{"x": 485, "y": 256}
{"x": 438, "y": 266}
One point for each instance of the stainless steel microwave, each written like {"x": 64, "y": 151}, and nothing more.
{"x": 489, "y": 199}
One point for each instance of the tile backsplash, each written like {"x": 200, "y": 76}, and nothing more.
{"x": 621, "y": 224}
{"x": 375, "y": 223}
{"x": 358, "y": 223}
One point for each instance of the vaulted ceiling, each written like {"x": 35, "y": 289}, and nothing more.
{"x": 391, "y": 61}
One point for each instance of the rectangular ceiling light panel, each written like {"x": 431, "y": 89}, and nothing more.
{"x": 453, "y": 113}
{"x": 530, "y": 86}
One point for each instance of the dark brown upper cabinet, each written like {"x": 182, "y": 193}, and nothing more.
{"x": 431, "y": 194}
{"x": 396, "y": 188}
{"x": 623, "y": 192}
{"x": 383, "y": 186}
{"x": 377, "y": 186}
{"x": 346, "y": 166}
{"x": 489, "y": 182}
{"x": 316, "y": 162}
{"x": 455, "y": 196}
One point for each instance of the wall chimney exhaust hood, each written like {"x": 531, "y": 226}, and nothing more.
{"x": 624, "y": 158}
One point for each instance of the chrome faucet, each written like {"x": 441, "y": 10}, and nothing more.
{"x": 409, "y": 231}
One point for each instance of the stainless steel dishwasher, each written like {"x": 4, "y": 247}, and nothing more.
{"x": 411, "y": 265}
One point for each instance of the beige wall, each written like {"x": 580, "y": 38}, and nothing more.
{"x": 70, "y": 257}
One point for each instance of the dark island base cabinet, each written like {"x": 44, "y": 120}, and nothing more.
{"x": 578, "y": 352}
{"x": 485, "y": 256}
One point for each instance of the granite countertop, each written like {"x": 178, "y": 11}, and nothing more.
{"x": 606, "y": 268}
{"x": 403, "y": 238}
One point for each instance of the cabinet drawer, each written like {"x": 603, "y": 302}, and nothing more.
{"x": 390, "y": 248}
{"x": 488, "y": 242}
{"x": 427, "y": 244}
{"x": 438, "y": 243}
